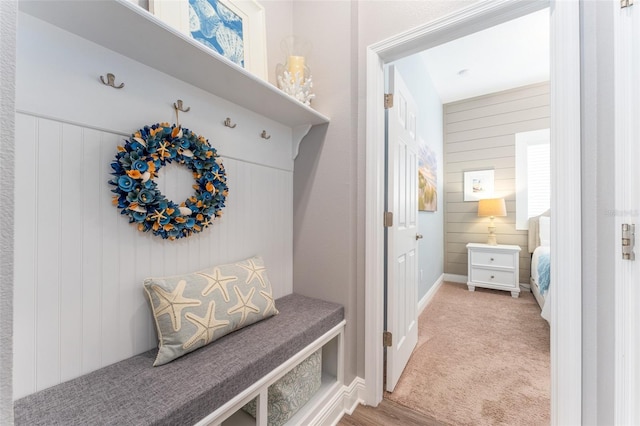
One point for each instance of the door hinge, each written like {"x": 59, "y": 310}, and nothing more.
{"x": 625, "y": 3}
{"x": 387, "y": 339}
{"x": 388, "y": 219}
{"x": 388, "y": 100}
{"x": 628, "y": 241}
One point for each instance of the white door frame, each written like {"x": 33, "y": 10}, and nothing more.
{"x": 566, "y": 328}
{"x": 627, "y": 294}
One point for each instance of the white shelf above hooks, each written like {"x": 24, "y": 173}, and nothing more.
{"x": 126, "y": 28}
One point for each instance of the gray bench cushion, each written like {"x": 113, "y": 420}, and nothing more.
{"x": 133, "y": 392}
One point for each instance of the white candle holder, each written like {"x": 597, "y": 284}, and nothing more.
{"x": 294, "y": 76}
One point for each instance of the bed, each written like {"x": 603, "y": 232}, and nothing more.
{"x": 539, "y": 247}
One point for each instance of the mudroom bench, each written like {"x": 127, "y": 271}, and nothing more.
{"x": 208, "y": 386}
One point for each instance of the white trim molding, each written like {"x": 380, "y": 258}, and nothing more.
{"x": 565, "y": 104}
{"x": 374, "y": 249}
{"x": 455, "y": 278}
{"x": 566, "y": 232}
{"x": 344, "y": 402}
{"x": 426, "y": 299}
{"x": 626, "y": 24}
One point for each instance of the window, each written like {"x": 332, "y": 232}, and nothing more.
{"x": 533, "y": 175}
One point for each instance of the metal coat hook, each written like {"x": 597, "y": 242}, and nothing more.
{"x": 179, "y": 107}
{"x": 111, "y": 81}
{"x": 227, "y": 123}
{"x": 264, "y": 135}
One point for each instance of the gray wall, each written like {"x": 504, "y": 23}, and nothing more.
{"x": 329, "y": 172}
{"x": 429, "y": 128}
{"x": 479, "y": 134}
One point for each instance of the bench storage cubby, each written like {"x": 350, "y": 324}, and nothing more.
{"x": 208, "y": 386}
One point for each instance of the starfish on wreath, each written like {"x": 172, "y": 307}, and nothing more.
{"x": 158, "y": 215}
{"x": 164, "y": 150}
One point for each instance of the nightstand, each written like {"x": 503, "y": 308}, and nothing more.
{"x": 495, "y": 267}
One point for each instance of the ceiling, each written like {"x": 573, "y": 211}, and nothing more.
{"x": 508, "y": 55}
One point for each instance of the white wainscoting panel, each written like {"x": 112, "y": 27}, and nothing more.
{"x": 79, "y": 303}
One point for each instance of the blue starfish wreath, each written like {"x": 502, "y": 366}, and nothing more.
{"x": 138, "y": 162}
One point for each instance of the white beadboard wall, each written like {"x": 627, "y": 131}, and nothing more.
{"x": 479, "y": 134}
{"x": 79, "y": 303}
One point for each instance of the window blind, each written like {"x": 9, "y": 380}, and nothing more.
{"x": 538, "y": 178}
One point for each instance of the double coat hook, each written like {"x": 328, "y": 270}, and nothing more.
{"x": 111, "y": 81}
{"x": 227, "y": 123}
{"x": 179, "y": 107}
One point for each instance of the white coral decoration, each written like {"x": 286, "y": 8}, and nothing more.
{"x": 297, "y": 87}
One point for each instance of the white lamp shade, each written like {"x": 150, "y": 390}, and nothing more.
{"x": 492, "y": 207}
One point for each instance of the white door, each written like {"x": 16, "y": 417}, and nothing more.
{"x": 402, "y": 244}
{"x": 627, "y": 211}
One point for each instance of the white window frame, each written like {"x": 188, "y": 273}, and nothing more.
{"x": 523, "y": 140}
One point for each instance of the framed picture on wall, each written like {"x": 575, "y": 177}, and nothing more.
{"x": 427, "y": 178}
{"x": 234, "y": 29}
{"x": 478, "y": 185}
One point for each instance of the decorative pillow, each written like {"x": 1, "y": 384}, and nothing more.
{"x": 193, "y": 310}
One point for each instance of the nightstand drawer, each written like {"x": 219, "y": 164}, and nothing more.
{"x": 486, "y": 258}
{"x": 487, "y": 276}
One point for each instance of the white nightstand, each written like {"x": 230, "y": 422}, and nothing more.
{"x": 494, "y": 267}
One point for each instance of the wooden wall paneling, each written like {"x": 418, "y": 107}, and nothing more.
{"x": 129, "y": 294}
{"x": 110, "y": 281}
{"x": 526, "y": 102}
{"x": 500, "y": 120}
{"x": 48, "y": 253}
{"x": 485, "y": 104}
{"x": 482, "y": 154}
{"x": 91, "y": 242}
{"x": 495, "y": 163}
{"x": 507, "y": 129}
{"x": 73, "y": 210}
{"x": 477, "y": 144}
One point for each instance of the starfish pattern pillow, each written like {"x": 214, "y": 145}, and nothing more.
{"x": 196, "y": 309}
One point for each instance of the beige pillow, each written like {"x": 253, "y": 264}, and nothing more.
{"x": 193, "y": 310}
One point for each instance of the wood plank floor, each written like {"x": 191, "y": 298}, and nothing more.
{"x": 387, "y": 413}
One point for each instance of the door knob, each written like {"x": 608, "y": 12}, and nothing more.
{"x": 418, "y": 237}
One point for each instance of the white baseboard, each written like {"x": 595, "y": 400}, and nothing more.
{"x": 525, "y": 286}
{"x": 343, "y": 402}
{"x": 427, "y": 297}
{"x": 456, "y": 278}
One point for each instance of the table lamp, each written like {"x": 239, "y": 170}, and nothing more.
{"x": 492, "y": 207}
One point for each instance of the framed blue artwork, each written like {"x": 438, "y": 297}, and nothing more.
{"x": 234, "y": 29}
{"x": 217, "y": 27}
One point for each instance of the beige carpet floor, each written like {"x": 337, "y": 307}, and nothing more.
{"x": 482, "y": 358}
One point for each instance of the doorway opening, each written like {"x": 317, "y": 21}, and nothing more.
{"x": 473, "y": 96}
{"x": 565, "y": 228}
